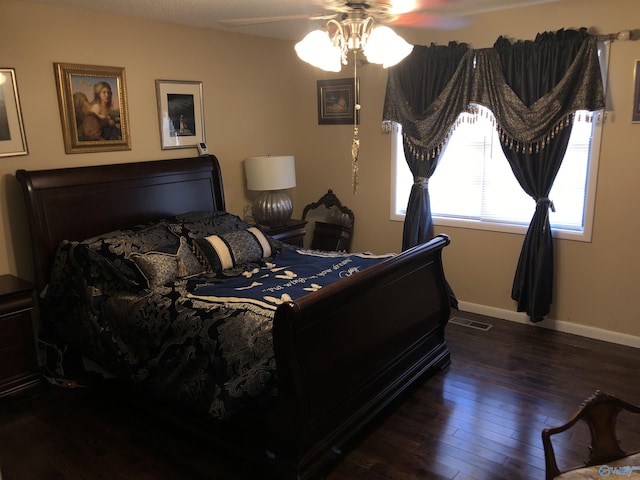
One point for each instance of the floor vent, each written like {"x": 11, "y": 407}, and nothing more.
{"x": 470, "y": 323}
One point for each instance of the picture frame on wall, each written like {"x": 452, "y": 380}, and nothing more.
{"x": 180, "y": 113}
{"x": 13, "y": 140}
{"x": 93, "y": 108}
{"x": 337, "y": 99}
{"x": 635, "y": 118}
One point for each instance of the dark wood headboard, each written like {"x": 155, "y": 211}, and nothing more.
{"x": 81, "y": 202}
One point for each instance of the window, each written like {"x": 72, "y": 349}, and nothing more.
{"x": 474, "y": 187}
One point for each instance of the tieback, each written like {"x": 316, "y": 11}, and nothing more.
{"x": 422, "y": 182}
{"x": 546, "y": 201}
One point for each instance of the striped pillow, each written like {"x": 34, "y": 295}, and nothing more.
{"x": 232, "y": 249}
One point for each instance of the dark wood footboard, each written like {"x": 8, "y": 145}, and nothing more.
{"x": 346, "y": 352}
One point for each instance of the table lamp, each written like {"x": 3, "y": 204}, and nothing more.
{"x": 270, "y": 175}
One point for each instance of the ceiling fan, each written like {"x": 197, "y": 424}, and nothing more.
{"x": 352, "y": 26}
{"x": 444, "y": 14}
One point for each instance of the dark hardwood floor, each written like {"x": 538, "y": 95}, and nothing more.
{"x": 479, "y": 419}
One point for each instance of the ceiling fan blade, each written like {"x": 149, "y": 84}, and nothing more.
{"x": 441, "y": 14}
{"x": 449, "y": 14}
{"x": 429, "y": 20}
{"x": 470, "y": 7}
{"x": 244, "y": 22}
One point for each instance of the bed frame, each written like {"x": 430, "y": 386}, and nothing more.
{"x": 342, "y": 353}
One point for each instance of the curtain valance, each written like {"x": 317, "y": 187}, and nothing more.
{"x": 428, "y": 90}
{"x": 426, "y": 93}
{"x": 533, "y": 88}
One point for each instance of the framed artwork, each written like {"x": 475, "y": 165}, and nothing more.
{"x": 636, "y": 93}
{"x": 12, "y": 138}
{"x": 93, "y": 108}
{"x": 337, "y": 100}
{"x": 180, "y": 113}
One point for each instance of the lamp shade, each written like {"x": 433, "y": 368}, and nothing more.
{"x": 270, "y": 173}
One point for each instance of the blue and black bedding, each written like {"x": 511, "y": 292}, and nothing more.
{"x": 184, "y": 307}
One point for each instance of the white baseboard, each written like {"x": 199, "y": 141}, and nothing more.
{"x": 558, "y": 325}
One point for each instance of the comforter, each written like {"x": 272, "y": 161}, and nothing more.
{"x": 199, "y": 340}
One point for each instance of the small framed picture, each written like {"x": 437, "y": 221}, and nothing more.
{"x": 180, "y": 113}
{"x": 93, "y": 108}
{"x": 635, "y": 117}
{"x": 337, "y": 100}
{"x": 12, "y": 138}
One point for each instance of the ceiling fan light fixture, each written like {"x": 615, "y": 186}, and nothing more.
{"x": 354, "y": 33}
{"x": 319, "y": 50}
{"x": 386, "y": 47}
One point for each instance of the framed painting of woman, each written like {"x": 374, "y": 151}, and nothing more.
{"x": 93, "y": 108}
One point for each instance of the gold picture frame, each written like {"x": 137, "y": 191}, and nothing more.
{"x": 180, "y": 113}
{"x": 12, "y": 137}
{"x": 93, "y": 108}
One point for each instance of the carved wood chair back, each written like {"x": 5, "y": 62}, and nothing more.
{"x": 330, "y": 224}
{"x": 600, "y": 413}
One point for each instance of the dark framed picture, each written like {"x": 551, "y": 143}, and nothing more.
{"x": 180, "y": 113}
{"x": 337, "y": 100}
{"x": 636, "y": 93}
{"x": 93, "y": 108}
{"x": 12, "y": 138}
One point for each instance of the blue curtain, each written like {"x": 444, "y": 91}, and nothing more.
{"x": 533, "y": 89}
{"x": 425, "y": 94}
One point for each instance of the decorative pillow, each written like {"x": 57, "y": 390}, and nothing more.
{"x": 188, "y": 263}
{"x": 159, "y": 268}
{"x": 203, "y": 224}
{"x": 100, "y": 267}
{"x": 114, "y": 249}
{"x": 229, "y": 250}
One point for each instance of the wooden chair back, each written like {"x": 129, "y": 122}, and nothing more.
{"x": 600, "y": 413}
{"x": 330, "y": 224}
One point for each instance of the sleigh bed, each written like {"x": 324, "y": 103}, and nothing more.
{"x": 316, "y": 367}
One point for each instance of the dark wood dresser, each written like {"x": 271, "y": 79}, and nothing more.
{"x": 19, "y": 368}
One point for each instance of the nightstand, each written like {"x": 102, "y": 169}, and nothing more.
{"x": 291, "y": 233}
{"x": 19, "y": 369}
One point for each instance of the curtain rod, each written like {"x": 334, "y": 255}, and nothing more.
{"x": 622, "y": 36}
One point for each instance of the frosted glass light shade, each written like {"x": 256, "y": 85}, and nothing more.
{"x": 382, "y": 46}
{"x": 318, "y": 50}
{"x": 270, "y": 173}
{"x": 386, "y": 47}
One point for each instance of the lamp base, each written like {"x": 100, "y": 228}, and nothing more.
{"x": 272, "y": 208}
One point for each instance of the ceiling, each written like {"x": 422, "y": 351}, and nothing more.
{"x": 297, "y": 21}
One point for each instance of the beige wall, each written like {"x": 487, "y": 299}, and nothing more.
{"x": 247, "y": 86}
{"x": 259, "y": 98}
{"x": 596, "y": 283}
